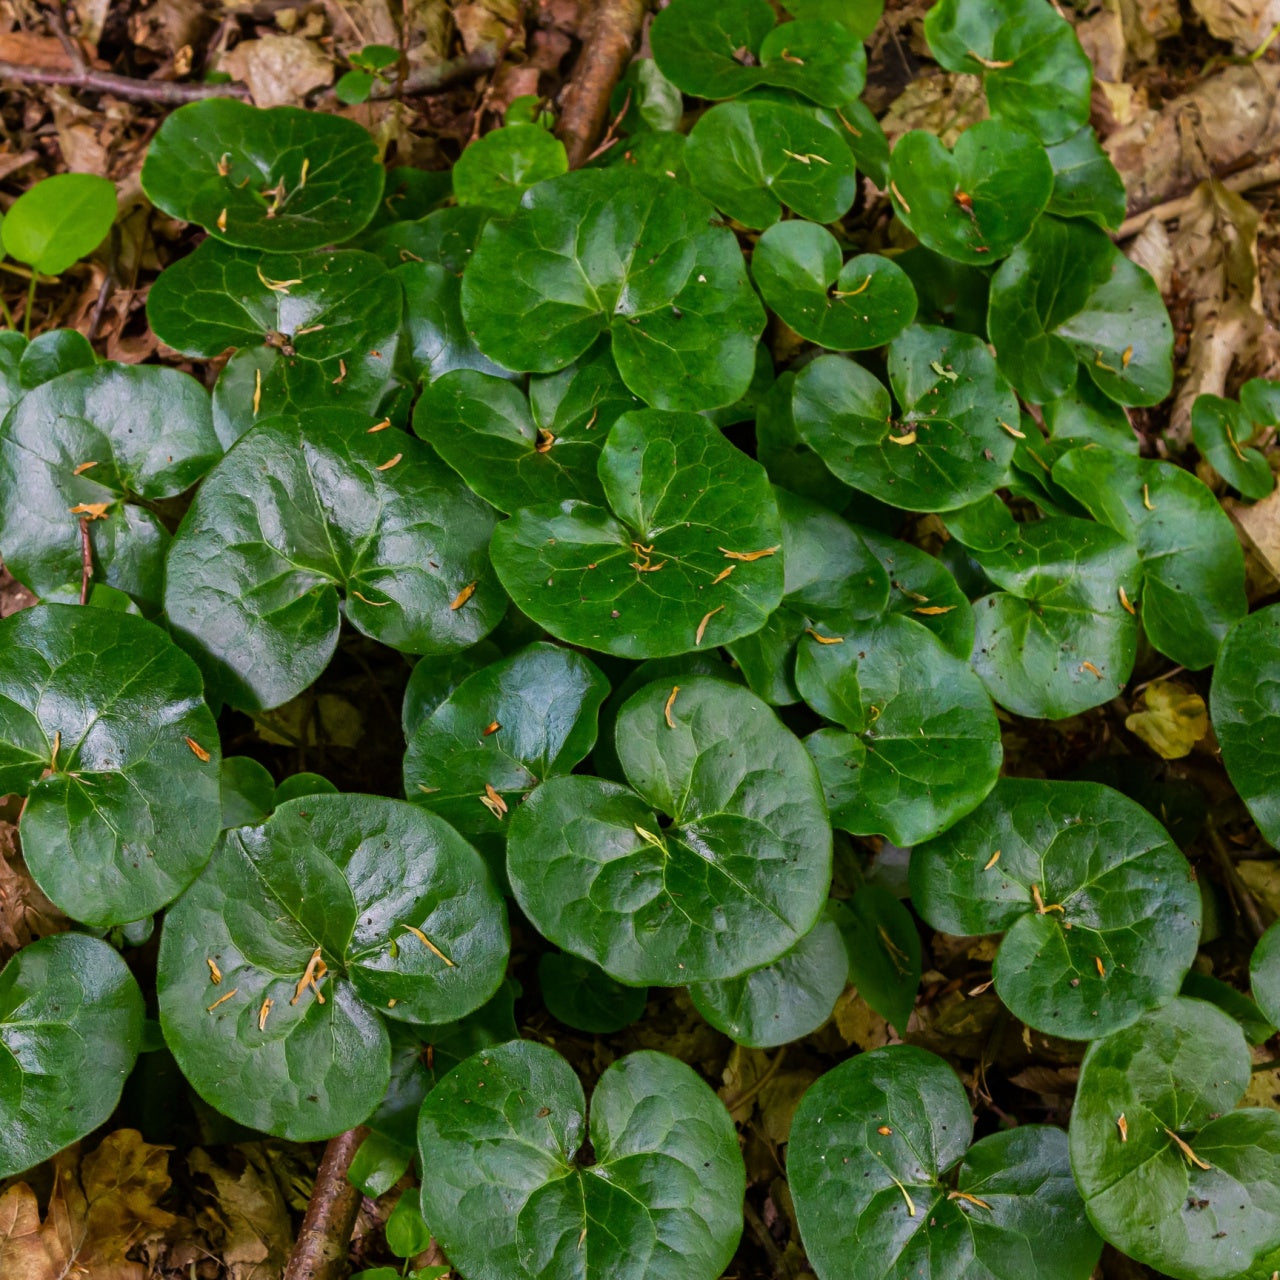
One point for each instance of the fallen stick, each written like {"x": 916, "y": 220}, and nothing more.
{"x": 324, "y": 1238}
{"x": 163, "y": 91}
{"x": 1258, "y": 175}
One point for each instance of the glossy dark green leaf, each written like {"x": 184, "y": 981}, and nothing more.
{"x": 302, "y": 784}
{"x": 722, "y": 50}
{"x": 103, "y": 729}
{"x": 847, "y": 306}
{"x": 1193, "y": 568}
{"x": 644, "y": 99}
{"x": 975, "y": 202}
{"x": 510, "y": 1195}
{"x": 790, "y": 462}
{"x": 497, "y": 169}
{"x": 1244, "y": 705}
{"x": 430, "y": 683}
{"x": 438, "y": 338}
{"x": 12, "y": 348}
{"x": 248, "y": 792}
{"x": 302, "y": 508}
{"x": 394, "y": 902}
{"x": 944, "y": 447}
{"x": 1101, "y": 910}
{"x": 581, "y": 995}
{"x": 609, "y": 250}
{"x": 754, "y": 159}
{"x": 1067, "y": 295}
{"x": 1174, "y": 1078}
{"x": 921, "y": 743}
{"x": 1221, "y": 429}
{"x": 1058, "y": 608}
{"x": 58, "y": 221}
{"x": 1204, "y": 986}
{"x": 883, "y": 946}
{"x": 886, "y": 1184}
{"x": 281, "y": 179}
{"x": 106, "y": 442}
{"x": 1085, "y": 182}
{"x": 783, "y": 1001}
{"x": 1264, "y": 973}
{"x": 52, "y": 353}
{"x": 949, "y": 292}
{"x": 442, "y": 238}
{"x": 1086, "y": 415}
{"x": 739, "y": 876}
{"x": 1033, "y": 69}
{"x": 543, "y": 701}
{"x": 640, "y": 579}
{"x": 985, "y": 525}
{"x": 865, "y": 137}
{"x": 71, "y": 1021}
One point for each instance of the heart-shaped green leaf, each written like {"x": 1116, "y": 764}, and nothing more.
{"x": 886, "y": 1183}
{"x": 51, "y": 353}
{"x": 497, "y": 169}
{"x": 1244, "y": 706}
{"x": 755, "y": 158}
{"x": 610, "y": 250}
{"x": 1169, "y": 1172}
{"x": 1033, "y": 69}
{"x": 860, "y": 16}
{"x": 247, "y": 790}
{"x": 1085, "y": 182}
{"x": 1057, "y": 638}
{"x": 438, "y": 338}
{"x": 71, "y": 1021}
{"x": 581, "y": 995}
{"x": 389, "y": 899}
{"x": 975, "y": 202}
{"x": 1221, "y": 429}
{"x": 1086, "y": 415}
{"x": 685, "y": 556}
{"x": 302, "y": 507}
{"x": 948, "y": 444}
{"x": 93, "y": 446}
{"x": 722, "y": 50}
{"x": 847, "y": 306}
{"x": 921, "y": 746}
{"x": 59, "y": 221}
{"x": 104, "y": 730}
{"x": 444, "y": 238}
{"x": 788, "y": 460}
{"x": 1264, "y": 974}
{"x": 318, "y": 328}
{"x": 1067, "y": 295}
{"x": 783, "y": 1001}
{"x": 883, "y": 944}
{"x": 499, "y": 734}
{"x": 282, "y": 179}
{"x": 512, "y": 1195}
{"x": 1193, "y": 568}
{"x": 1101, "y": 910}
{"x": 738, "y": 878}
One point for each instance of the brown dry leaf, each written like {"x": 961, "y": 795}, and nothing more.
{"x": 1263, "y": 1090}
{"x": 1259, "y": 523}
{"x": 778, "y": 1102}
{"x": 944, "y": 104}
{"x": 1262, "y": 879}
{"x": 741, "y": 1074}
{"x": 23, "y": 1255}
{"x": 1049, "y": 1082}
{"x": 327, "y": 718}
{"x": 250, "y": 1221}
{"x": 858, "y": 1023}
{"x": 1152, "y": 249}
{"x": 1101, "y": 35}
{"x": 1146, "y": 23}
{"x": 489, "y": 24}
{"x": 1246, "y": 23}
{"x": 25, "y": 913}
{"x": 1170, "y": 718}
{"x": 279, "y": 70}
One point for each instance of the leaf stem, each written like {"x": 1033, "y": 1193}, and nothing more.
{"x": 31, "y": 300}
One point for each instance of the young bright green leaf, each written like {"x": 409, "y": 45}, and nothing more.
{"x": 922, "y": 743}
{"x": 302, "y": 508}
{"x": 1066, "y": 294}
{"x": 394, "y": 902}
{"x": 847, "y": 306}
{"x": 738, "y": 878}
{"x": 946, "y": 446}
{"x": 1193, "y": 568}
{"x": 783, "y": 1001}
{"x": 1087, "y": 415}
{"x": 354, "y": 87}
{"x": 1101, "y": 911}
{"x": 1221, "y": 429}
{"x": 498, "y": 168}
{"x": 104, "y": 730}
{"x": 512, "y": 1197}
{"x": 639, "y": 579}
{"x": 975, "y": 202}
{"x": 91, "y": 444}
{"x": 754, "y": 159}
{"x": 609, "y": 250}
{"x": 883, "y": 946}
{"x": 581, "y": 995}
{"x": 1264, "y": 973}
{"x": 886, "y": 1184}
{"x": 71, "y": 1021}
{"x": 645, "y": 99}
{"x": 1033, "y": 69}
{"x": 722, "y": 50}
{"x": 1169, "y": 1172}
{"x": 1260, "y": 399}
{"x": 860, "y": 16}
{"x": 407, "y": 1234}
{"x": 59, "y": 221}
{"x": 1244, "y": 704}
{"x": 1085, "y": 182}
{"x": 1056, "y": 638}
{"x": 282, "y": 180}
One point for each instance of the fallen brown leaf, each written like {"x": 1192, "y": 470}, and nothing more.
{"x": 279, "y": 70}
{"x": 1170, "y": 718}
{"x": 248, "y": 1219}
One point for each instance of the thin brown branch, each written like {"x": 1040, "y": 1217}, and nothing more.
{"x": 440, "y": 75}
{"x": 1258, "y": 175}
{"x": 86, "y": 560}
{"x": 325, "y": 1235}
{"x": 611, "y": 133}
{"x": 91, "y": 81}
{"x": 607, "y": 49}
{"x": 1241, "y": 899}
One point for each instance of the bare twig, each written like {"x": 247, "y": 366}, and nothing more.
{"x": 1258, "y": 175}
{"x": 1241, "y": 898}
{"x": 439, "y": 75}
{"x": 611, "y": 133}
{"x": 70, "y": 47}
{"x": 614, "y": 29}
{"x": 487, "y": 97}
{"x": 86, "y": 560}
{"x": 162, "y": 91}
{"x": 325, "y": 1235}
